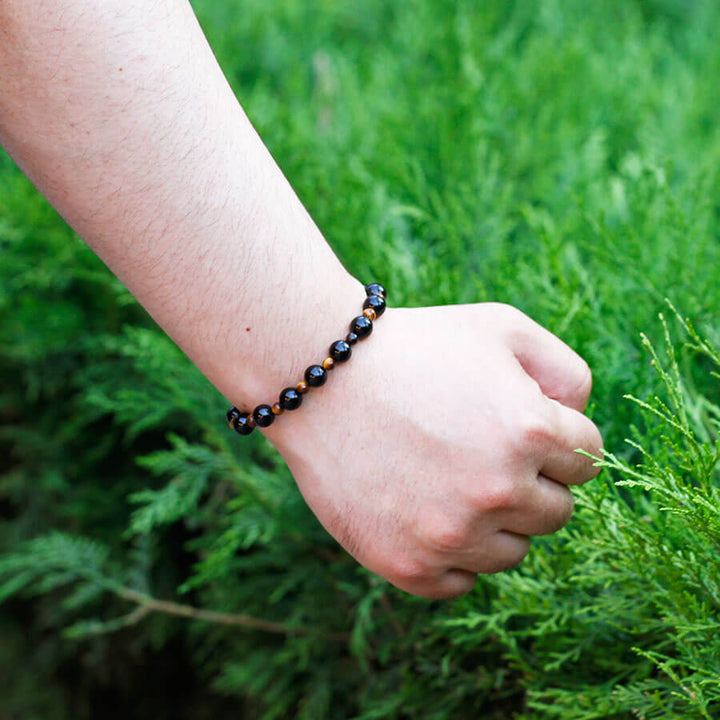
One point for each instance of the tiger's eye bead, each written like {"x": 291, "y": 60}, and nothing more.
{"x": 277, "y": 409}
{"x": 315, "y": 375}
{"x": 302, "y": 387}
{"x": 263, "y": 416}
{"x": 328, "y": 363}
{"x": 244, "y": 424}
{"x": 375, "y": 289}
{"x": 361, "y": 326}
{"x": 340, "y": 351}
{"x": 351, "y": 338}
{"x": 290, "y": 399}
{"x": 376, "y": 302}
{"x": 369, "y": 313}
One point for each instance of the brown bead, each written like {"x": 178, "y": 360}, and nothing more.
{"x": 370, "y": 314}
{"x": 328, "y": 363}
{"x": 302, "y": 387}
{"x": 277, "y": 409}
{"x": 250, "y": 422}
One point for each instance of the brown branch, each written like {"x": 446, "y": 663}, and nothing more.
{"x": 397, "y": 626}
{"x": 148, "y": 604}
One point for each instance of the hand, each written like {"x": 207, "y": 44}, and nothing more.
{"x": 444, "y": 444}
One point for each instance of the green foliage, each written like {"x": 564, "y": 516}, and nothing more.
{"x": 624, "y": 615}
{"x": 561, "y": 157}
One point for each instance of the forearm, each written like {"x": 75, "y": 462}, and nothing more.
{"x": 118, "y": 112}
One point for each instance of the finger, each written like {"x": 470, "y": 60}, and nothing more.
{"x": 435, "y": 582}
{"x": 559, "y": 371}
{"x": 452, "y": 583}
{"x": 495, "y": 553}
{"x": 545, "y": 508}
{"x": 571, "y": 431}
{"x": 500, "y": 551}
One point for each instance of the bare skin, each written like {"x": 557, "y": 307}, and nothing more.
{"x": 449, "y": 437}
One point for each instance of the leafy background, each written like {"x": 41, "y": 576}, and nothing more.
{"x": 559, "y": 156}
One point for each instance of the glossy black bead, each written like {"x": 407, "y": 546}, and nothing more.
{"x": 240, "y": 424}
{"x": 290, "y": 399}
{"x": 232, "y": 415}
{"x": 340, "y": 351}
{"x": 351, "y": 338}
{"x": 315, "y": 375}
{"x": 263, "y": 416}
{"x": 361, "y": 326}
{"x": 375, "y": 289}
{"x": 376, "y": 302}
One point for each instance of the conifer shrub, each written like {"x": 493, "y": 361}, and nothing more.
{"x": 563, "y": 158}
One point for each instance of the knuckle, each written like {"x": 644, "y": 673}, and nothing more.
{"x": 498, "y": 496}
{"x": 447, "y": 535}
{"x": 407, "y": 572}
{"x": 534, "y": 432}
{"x": 514, "y": 321}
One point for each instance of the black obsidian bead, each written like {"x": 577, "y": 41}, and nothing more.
{"x": 376, "y": 302}
{"x": 361, "y": 326}
{"x": 243, "y": 424}
{"x": 232, "y": 416}
{"x": 290, "y": 399}
{"x": 340, "y": 351}
{"x": 263, "y": 416}
{"x": 375, "y": 289}
{"x": 351, "y": 338}
{"x": 315, "y": 375}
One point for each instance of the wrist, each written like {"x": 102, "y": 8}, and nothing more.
{"x": 273, "y": 351}
{"x": 353, "y": 393}
{"x": 315, "y": 376}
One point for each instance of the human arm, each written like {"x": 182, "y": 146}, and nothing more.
{"x": 422, "y": 455}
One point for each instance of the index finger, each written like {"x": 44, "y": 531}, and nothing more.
{"x": 559, "y": 371}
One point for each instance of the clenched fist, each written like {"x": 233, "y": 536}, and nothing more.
{"x": 446, "y": 442}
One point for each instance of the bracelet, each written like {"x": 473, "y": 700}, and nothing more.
{"x": 316, "y": 375}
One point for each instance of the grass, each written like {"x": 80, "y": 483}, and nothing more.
{"x": 562, "y": 157}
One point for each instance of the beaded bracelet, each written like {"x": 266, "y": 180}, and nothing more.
{"x": 316, "y": 375}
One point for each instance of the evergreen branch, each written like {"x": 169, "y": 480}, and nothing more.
{"x": 400, "y": 631}
{"x": 60, "y": 560}
{"x": 148, "y": 604}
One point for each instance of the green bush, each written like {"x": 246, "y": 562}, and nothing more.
{"x": 562, "y": 157}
